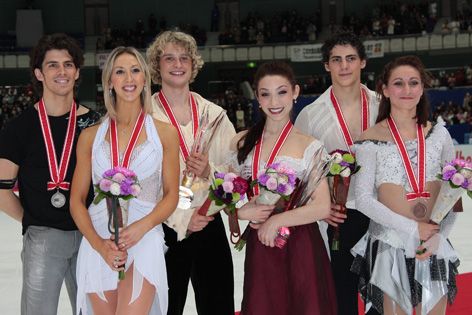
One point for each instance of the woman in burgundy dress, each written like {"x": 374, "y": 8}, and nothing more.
{"x": 297, "y": 278}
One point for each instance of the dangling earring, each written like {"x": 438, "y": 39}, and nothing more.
{"x": 110, "y": 92}
{"x": 294, "y": 101}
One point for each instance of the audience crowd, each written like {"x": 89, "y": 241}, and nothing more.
{"x": 287, "y": 26}
{"x": 13, "y": 100}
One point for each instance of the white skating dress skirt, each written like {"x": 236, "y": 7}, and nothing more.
{"x": 147, "y": 256}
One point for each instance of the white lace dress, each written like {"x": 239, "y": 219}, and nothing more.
{"x": 147, "y": 256}
{"x": 385, "y": 256}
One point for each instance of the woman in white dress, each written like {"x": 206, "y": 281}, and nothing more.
{"x": 396, "y": 188}
{"x": 140, "y": 250}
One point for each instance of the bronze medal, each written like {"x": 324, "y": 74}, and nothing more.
{"x": 419, "y": 210}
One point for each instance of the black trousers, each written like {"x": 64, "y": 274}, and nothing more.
{"x": 205, "y": 258}
{"x": 346, "y": 282}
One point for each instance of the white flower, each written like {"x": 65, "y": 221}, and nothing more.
{"x": 337, "y": 157}
{"x": 345, "y": 172}
{"x": 115, "y": 189}
{"x": 466, "y": 172}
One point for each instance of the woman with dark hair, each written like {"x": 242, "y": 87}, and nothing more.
{"x": 295, "y": 279}
{"x": 396, "y": 188}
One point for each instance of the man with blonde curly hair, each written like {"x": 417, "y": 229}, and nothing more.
{"x": 198, "y": 246}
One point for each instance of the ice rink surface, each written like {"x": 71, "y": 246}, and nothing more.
{"x": 10, "y": 263}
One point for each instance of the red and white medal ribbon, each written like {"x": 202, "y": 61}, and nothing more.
{"x": 418, "y": 182}
{"x": 184, "y": 149}
{"x": 342, "y": 122}
{"x": 58, "y": 173}
{"x": 114, "y": 148}
{"x": 273, "y": 153}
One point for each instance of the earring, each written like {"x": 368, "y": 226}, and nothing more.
{"x": 294, "y": 101}
{"x": 110, "y": 92}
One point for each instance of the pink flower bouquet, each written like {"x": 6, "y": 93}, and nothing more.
{"x": 117, "y": 186}
{"x": 455, "y": 176}
{"x": 225, "y": 191}
{"x": 276, "y": 181}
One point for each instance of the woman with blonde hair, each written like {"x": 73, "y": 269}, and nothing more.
{"x": 140, "y": 249}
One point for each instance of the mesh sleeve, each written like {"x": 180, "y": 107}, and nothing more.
{"x": 366, "y": 200}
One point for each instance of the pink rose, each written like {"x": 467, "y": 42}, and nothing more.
{"x": 229, "y": 177}
{"x": 457, "y": 179}
{"x": 228, "y": 187}
{"x": 135, "y": 190}
{"x": 105, "y": 184}
{"x": 118, "y": 177}
{"x": 448, "y": 168}
{"x": 271, "y": 183}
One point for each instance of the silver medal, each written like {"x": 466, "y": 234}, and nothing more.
{"x": 185, "y": 198}
{"x": 58, "y": 200}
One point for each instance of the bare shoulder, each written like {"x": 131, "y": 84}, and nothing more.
{"x": 167, "y": 132}
{"x": 302, "y": 138}
{"x": 89, "y": 133}
{"x": 82, "y": 110}
{"x": 234, "y": 142}
{"x": 377, "y": 132}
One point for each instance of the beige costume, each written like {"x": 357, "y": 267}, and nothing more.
{"x": 180, "y": 219}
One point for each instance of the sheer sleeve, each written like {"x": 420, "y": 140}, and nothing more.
{"x": 365, "y": 192}
{"x": 448, "y": 151}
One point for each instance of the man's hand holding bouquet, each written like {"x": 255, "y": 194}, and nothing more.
{"x": 343, "y": 166}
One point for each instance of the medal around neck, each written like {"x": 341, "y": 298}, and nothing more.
{"x": 419, "y": 210}
{"x": 58, "y": 200}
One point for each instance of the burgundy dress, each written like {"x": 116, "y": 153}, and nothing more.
{"x": 296, "y": 279}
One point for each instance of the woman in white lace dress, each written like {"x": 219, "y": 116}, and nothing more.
{"x": 154, "y": 158}
{"x": 396, "y": 187}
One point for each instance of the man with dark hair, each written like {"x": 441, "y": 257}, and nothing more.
{"x": 38, "y": 149}
{"x": 338, "y": 117}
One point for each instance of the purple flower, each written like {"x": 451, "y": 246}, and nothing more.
{"x": 228, "y": 187}
{"x": 465, "y": 184}
{"x": 263, "y": 178}
{"x": 125, "y": 188}
{"x": 219, "y": 175}
{"x": 109, "y": 173}
{"x": 125, "y": 171}
{"x": 105, "y": 184}
{"x": 282, "y": 189}
{"x": 448, "y": 174}
{"x": 457, "y": 179}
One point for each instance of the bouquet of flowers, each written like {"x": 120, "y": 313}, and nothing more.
{"x": 118, "y": 185}
{"x": 343, "y": 166}
{"x": 225, "y": 191}
{"x": 455, "y": 177}
{"x": 276, "y": 181}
